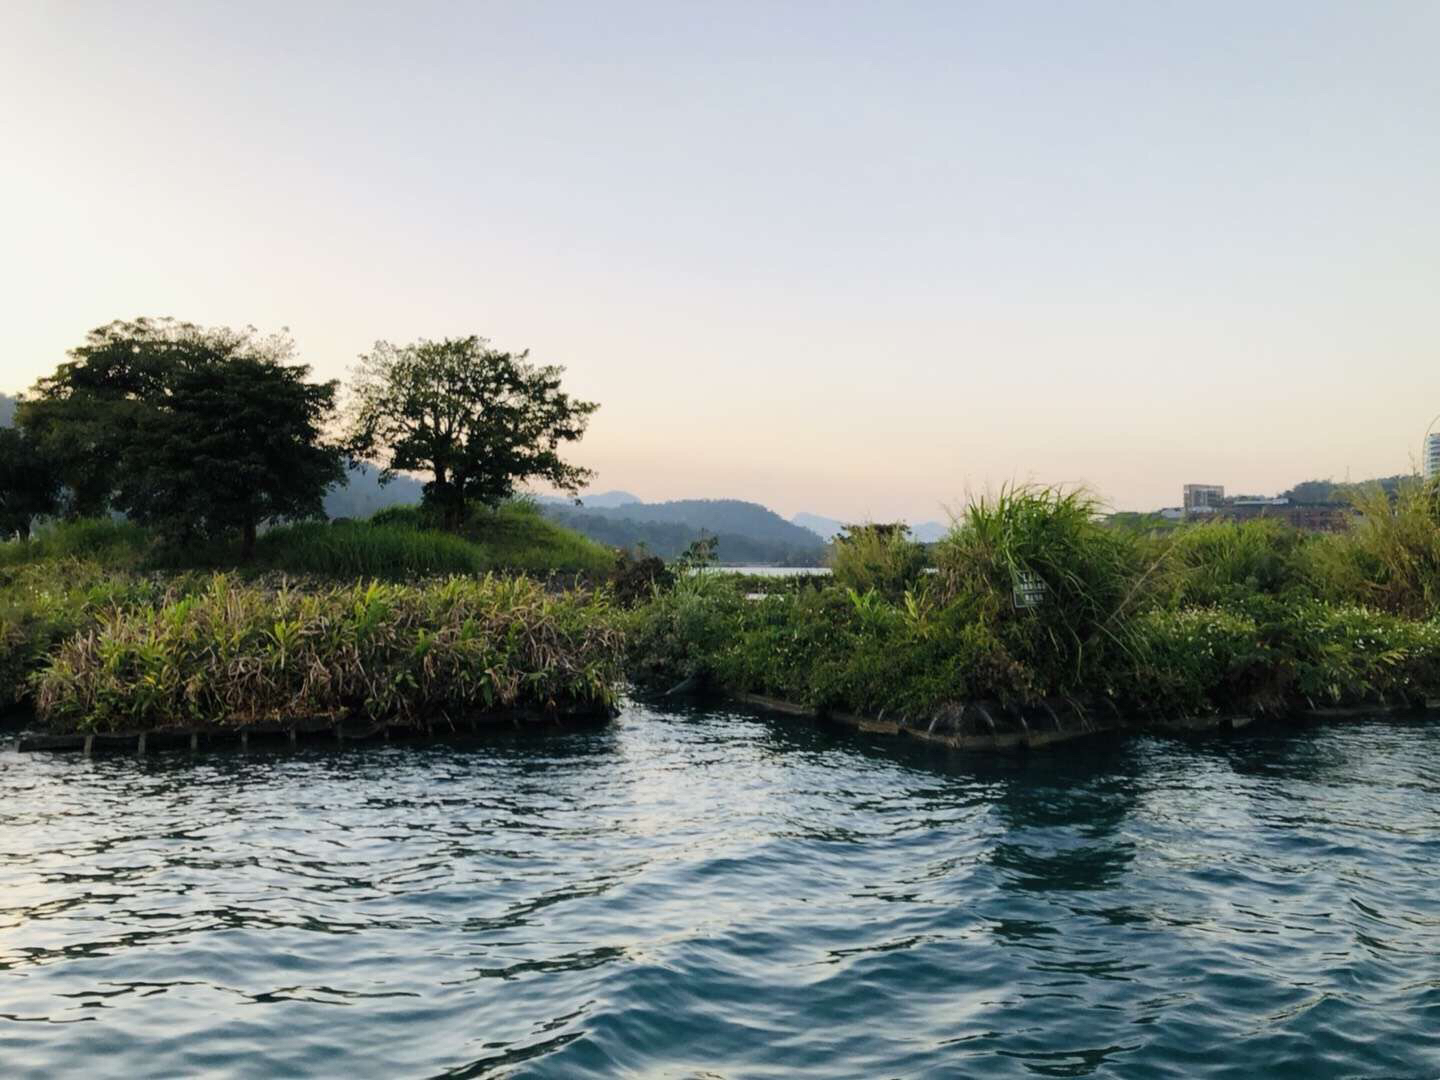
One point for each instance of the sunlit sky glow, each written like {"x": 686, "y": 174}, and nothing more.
{"x": 852, "y": 259}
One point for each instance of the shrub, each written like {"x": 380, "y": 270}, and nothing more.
{"x": 637, "y": 576}
{"x": 1193, "y": 662}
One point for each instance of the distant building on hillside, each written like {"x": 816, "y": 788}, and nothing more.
{"x": 1203, "y": 498}
{"x": 1432, "y": 456}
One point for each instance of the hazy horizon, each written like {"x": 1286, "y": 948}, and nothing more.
{"x": 850, "y": 260}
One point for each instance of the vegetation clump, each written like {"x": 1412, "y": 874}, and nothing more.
{"x": 231, "y": 654}
{"x": 1035, "y": 600}
{"x": 879, "y": 557}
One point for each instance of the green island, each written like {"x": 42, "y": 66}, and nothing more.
{"x": 184, "y": 578}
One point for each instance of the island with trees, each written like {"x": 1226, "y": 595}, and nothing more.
{"x": 171, "y": 568}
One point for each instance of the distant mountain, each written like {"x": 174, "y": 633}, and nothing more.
{"x": 603, "y": 500}
{"x": 825, "y": 528}
{"x": 7, "y": 410}
{"x": 747, "y": 532}
{"x": 362, "y": 494}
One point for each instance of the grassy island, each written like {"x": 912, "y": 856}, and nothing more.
{"x": 1031, "y": 606}
{"x": 171, "y": 566}
{"x": 387, "y": 620}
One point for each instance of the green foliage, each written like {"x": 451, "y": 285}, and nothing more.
{"x": 29, "y": 482}
{"x": 700, "y": 556}
{"x": 638, "y": 576}
{"x": 478, "y": 420}
{"x": 235, "y": 655}
{"x": 1192, "y": 662}
{"x": 44, "y": 602}
{"x": 516, "y": 536}
{"x": 360, "y": 549}
{"x": 401, "y": 543}
{"x": 398, "y": 544}
{"x": 201, "y": 433}
{"x": 406, "y": 517}
{"x": 114, "y": 544}
{"x": 878, "y": 557}
{"x": 1391, "y": 556}
{"x": 1223, "y": 561}
{"x": 679, "y": 633}
{"x": 1216, "y": 618}
{"x": 1089, "y": 580}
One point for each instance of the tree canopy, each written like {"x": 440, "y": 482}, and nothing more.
{"x": 200, "y": 432}
{"x": 29, "y": 485}
{"x": 479, "y": 421}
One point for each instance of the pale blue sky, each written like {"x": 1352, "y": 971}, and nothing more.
{"x": 855, "y": 259}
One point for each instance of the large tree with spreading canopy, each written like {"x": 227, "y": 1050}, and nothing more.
{"x": 477, "y": 420}
{"x": 203, "y": 433}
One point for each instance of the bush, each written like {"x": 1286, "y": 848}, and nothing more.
{"x": 636, "y": 577}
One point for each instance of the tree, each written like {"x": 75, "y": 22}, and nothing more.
{"x": 478, "y": 420}
{"x": 202, "y": 433}
{"x": 29, "y": 485}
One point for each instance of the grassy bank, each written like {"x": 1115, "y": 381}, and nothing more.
{"x": 397, "y": 544}
{"x": 221, "y": 652}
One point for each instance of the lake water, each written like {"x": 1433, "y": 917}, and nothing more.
{"x": 712, "y": 893}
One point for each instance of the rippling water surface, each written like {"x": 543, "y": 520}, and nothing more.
{"x": 715, "y": 894}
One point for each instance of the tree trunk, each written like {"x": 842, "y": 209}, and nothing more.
{"x": 247, "y": 544}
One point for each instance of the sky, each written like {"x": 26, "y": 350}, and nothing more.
{"x": 864, "y": 260}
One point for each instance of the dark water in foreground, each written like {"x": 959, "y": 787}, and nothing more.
{"x": 712, "y": 894}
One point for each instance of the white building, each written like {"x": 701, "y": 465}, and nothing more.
{"x": 1432, "y": 455}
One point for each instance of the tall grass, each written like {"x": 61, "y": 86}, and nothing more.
{"x": 1390, "y": 558}
{"x": 517, "y": 536}
{"x": 363, "y": 550}
{"x": 235, "y": 655}
{"x": 1217, "y": 562}
{"x": 882, "y": 558}
{"x": 113, "y": 543}
{"x": 1090, "y": 576}
{"x": 402, "y": 542}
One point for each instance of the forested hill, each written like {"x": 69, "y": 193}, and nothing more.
{"x": 747, "y": 532}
